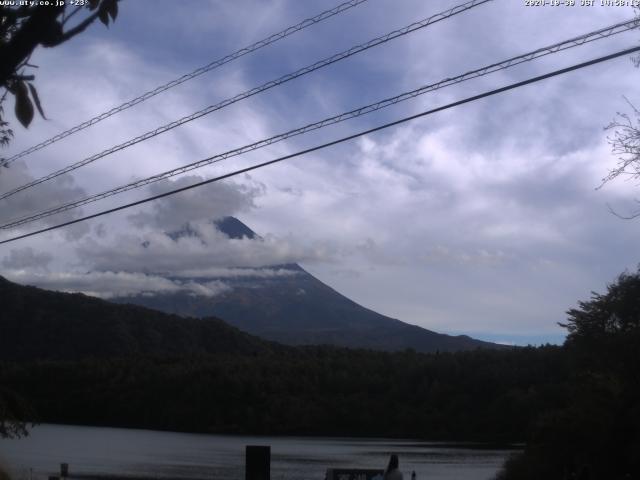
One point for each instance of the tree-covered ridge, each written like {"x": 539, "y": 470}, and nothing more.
{"x": 482, "y": 395}
{"x": 38, "y": 324}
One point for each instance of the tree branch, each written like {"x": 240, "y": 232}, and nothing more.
{"x": 68, "y": 17}
{"x": 81, "y": 27}
{"x": 623, "y": 217}
{"x": 32, "y": 32}
{"x": 16, "y": 13}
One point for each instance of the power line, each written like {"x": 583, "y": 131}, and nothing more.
{"x": 184, "y": 78}
{"x": 571, "y": 43}
{"x": 334, "y": 142}
{"x": 266, "y": 86}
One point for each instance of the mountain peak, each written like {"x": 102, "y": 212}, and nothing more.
{"x": 230, "y": 226}
{"x": 234, "y": 228}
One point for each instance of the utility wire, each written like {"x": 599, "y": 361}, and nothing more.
{"x": 266, "y": 86}
{"x": 334, "y": 142}
{"x": 197, "y": 72}
{"x": 573, "y": 42}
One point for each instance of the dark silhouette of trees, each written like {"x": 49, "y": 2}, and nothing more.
{"x": 22, "y": 29}
{"x": 613, "y": 315}
{"x": 14, "y": 412}
{"x": 491, "y": 396}
{"x": 598, "y": 431}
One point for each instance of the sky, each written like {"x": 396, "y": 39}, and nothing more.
{"x": 484, "y": 219}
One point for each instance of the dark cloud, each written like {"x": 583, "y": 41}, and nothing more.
{"x": 212, "y": 201}
{"x": 38, "y": 198}
{"x": 27, "y": 258}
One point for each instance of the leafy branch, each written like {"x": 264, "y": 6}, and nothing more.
{"x": 22, "y": 30}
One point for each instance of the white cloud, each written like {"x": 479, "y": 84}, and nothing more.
{"x": 223, "y": 272}
{"x": 114, "y": 284}
{"x": 208, "y": 250}
{"x": 27, "y": 258}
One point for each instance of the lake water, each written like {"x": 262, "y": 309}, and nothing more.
{"x": 168, "y": 455}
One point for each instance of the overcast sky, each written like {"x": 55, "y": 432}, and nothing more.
{"x": 484, "y": 219}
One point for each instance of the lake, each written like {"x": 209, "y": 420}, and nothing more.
{"x": 168, "y": 455}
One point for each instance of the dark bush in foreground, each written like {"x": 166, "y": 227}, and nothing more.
{"x": 597, "y": 435}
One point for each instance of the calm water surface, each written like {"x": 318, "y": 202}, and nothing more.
{"x": 167, "y": 455}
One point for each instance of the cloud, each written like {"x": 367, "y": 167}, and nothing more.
{"x": 207, "y": 250}
{"x": 443, "y": 254}
{"x": 27, "y": 258}
{"x": 232, "y": 273}
{"x": 207, "y": 202}
{"x": 40, "y": 197}
{"x": 114, "y": 284}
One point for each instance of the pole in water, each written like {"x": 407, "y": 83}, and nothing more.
{"x": 257, "y": 462}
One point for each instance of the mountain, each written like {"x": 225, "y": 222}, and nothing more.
{"x": 287, "y": 304}
{"x": 38, "y": 324}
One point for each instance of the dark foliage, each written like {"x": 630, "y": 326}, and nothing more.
{"x": 482, "y": 395}
{"x": 14, "y": 410}
{"x": 598, "y": 433}
{"x": 42, "y": 325}
{"x": 25, "y": 27}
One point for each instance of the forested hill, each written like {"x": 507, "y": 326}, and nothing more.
{"x": 38, "y": 324}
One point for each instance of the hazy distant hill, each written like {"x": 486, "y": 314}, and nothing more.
{"x": 296, "y": 308}
{"x": 40, "y": 324}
